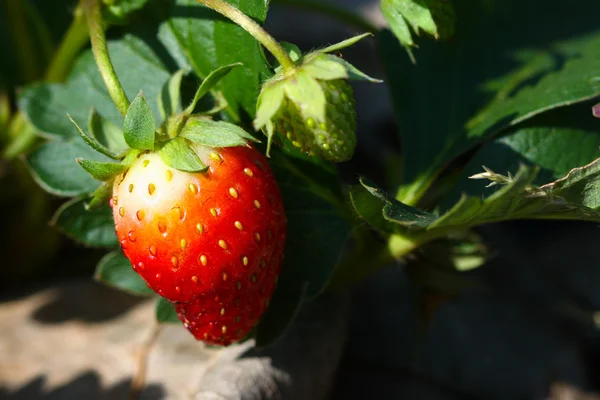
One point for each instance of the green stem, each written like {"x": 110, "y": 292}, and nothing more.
{"x": 73, "y": 41}
{"x": 41, "y": 29}
{"x": 331, "y": 10}
{"x": 24, "y": 47}
{"x": 369, "y": 255}
{"x": 253, "y": 29}
{"x": 411, "y": 193}
{"x": 362, "y": 262}
{"x": 91, "y": 9}
{"x": 22, "y": 137}
{"x": 399, "y": 246}
{"x": 21, "y": 133}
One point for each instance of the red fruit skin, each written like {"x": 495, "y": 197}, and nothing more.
{"x": 222, "y": 276}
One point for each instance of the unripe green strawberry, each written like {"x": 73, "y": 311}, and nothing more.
{"x": 312, "y": 105}
{"x": 333, "y": 139}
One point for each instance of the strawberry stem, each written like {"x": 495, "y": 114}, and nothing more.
{"x": 253, "y": 29}
{"x": 72, "y": 42}
{"x": 91, "y": 9}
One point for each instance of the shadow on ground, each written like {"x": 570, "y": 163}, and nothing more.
{"x": 80, "y": 302}
{"x": 87, "y": 385}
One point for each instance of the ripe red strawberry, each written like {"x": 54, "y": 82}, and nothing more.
{"x": 211, "y": 242}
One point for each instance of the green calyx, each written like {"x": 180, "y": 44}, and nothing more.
{"x": 177, "y": 140}
{"x": 313, "y": 107}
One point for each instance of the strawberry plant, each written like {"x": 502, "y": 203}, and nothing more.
{"x": 202, "y": 154}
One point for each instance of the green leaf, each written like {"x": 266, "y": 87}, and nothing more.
{"x": 268, "y": 104}
{"x": 209, "y": 83}
{"x": 557, "y": 142}
{"x": 55, "y": 169}
{"x": 46, "y": 104}
{"x": 139, "y": 125}
{"x": 369, "y": 205}
{"x": 92, "y": 142}
{"x": 574, "y": 197}
{"x": 580, "y": 187}
{"x": 324, "y": 68}
{"x": 165, "y": 312}
{"x": 352, "y": 72}
{"x": 397, "y": 23}
{"x": 344, "y": 43}
{"x": 115, "y": 270}
{"x": 100, "y": 197}
{"x": 178, "y": 154}
{"x": 169, "y": 100}
{"x": 94, "y": 228}
{"x": 461, "y": 92}
{"x": 215, "y": 133}
{"x": 293, "y": 51}
{"x": 106, "y": 133}
{"x": 101, "y": 171}
{"x": 393, "y": 210}
{"x": 435, "y": 17}
{"x": 209, "y": 41}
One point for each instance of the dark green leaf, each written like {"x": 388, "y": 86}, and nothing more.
{"x": 94, "y": 228}
{"x": 46, "y": 104}
{"x": 369, "y": 207}
{"x": 139, "y": 125}
{"x": 106, "y": 133}
{"x": 557, "y": 142}
{"x": 101, "y": 171}
{"x": 92, "y": 142}
{"x": 165, "y": 312}
{"x": 169, "y": 100}
{"x": 209, "y": 83}
{"x": 574, "y": 197}
{"x": 280, "y": 314}
{"x": 392, "y": 210}
{"x": 216, "y": 133}
{"x": 55, "y": 168}
{"x": 178, "y": 154}
{"x": 314, "y": 222}
{"x": 489, "y": 77}
{"x": 209, "y": 41}
{"x": 115, "y": 270}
